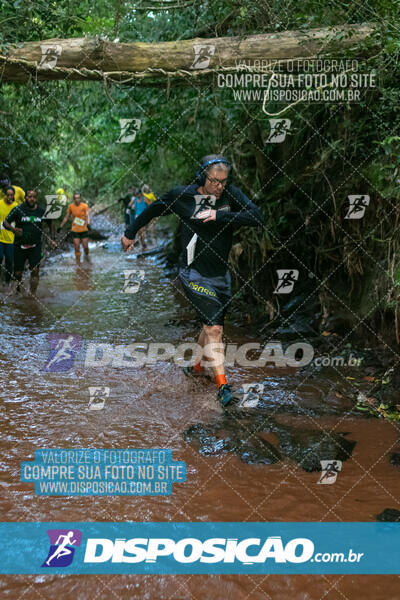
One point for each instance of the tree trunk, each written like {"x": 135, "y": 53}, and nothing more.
{"x": 177, "y": 62}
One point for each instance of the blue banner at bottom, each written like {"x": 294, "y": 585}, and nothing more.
{"x": 208, "y": 548}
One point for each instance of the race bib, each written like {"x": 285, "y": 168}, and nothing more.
{"x": 80, "y": 222}
{"x": 191, "y": 247}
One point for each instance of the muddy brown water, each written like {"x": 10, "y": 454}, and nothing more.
{"x": 152, "y": 407}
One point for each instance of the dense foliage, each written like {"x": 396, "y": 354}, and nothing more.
{"x": 65, "y": 132}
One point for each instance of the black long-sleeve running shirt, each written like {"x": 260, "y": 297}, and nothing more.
{"x": 214, "y": 239}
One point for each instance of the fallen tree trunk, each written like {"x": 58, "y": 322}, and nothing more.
{"x": 156, "y": 63}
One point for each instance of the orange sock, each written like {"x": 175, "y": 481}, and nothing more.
{"x": 198, "y": 368}
{"x": 220, "y": 379}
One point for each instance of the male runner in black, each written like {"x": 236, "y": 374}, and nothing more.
{"x": 206, "y": 242}
{"x": 28, "y": 219}
{"x": 126, "y": 200}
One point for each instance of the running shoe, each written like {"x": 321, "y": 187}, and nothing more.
{"x": 225, "y": 394}
{"x": 190, "y": 372}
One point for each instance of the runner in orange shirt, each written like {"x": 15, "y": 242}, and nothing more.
{"x": 79, "y": 211}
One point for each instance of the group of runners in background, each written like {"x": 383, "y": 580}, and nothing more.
{"x": 134, "y": 203}
{"x": 21, "y": 231}
{"x": 21, "y": 227}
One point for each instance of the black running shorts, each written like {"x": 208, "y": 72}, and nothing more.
{"x": 209, "y": 296}
{"x": 21, "y": 255}
{"x": 80, "y": 234}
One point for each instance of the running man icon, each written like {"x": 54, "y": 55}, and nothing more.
{"x": 279, "y": 129}
{"x": 63, "y": 350}
{"x": 357, "y": 206}
{"x": 62, "y": 542}
{"x": 203, "y": 202}
{"x": 329, "y": 471}
{"x": 287, "y": 279}
{"x": 62, "y": 549}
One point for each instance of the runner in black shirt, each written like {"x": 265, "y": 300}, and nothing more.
{"x": 25, "y": 220}
{"x": 209, "y": 211}
{"x": 126, "y": 200}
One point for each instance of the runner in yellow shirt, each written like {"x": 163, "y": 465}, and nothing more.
{"x": 150, "y": 198}
{"x": 147, "y": 193}
{"x": 7, "y": 237}
{"x": 19, "y": 194}
{"x": 79, "y": 211}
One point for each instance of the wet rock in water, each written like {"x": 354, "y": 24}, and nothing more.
{"x": 295, "y": 324}
{"x": 389, "y": 514}
{"x": 308, "y": 447}
{"x": 242, "y": 433}
{"x": 152, "y": 251}
{"x": 209, "y": 443}
{"x": 295, "y": 303}
{"x": 303, "y": 393}
{"x": 94, "y": 234}
{"x": 259, "y": 451}
{"x": 231, "y": 436}
{"x": 395, "y": 459}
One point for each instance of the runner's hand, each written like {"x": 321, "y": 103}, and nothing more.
{"x": 207, "y": 215}
{"x": 127, "y": 244}
{"x": 53, "y": 244}
{"x": 18, "y": 230}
